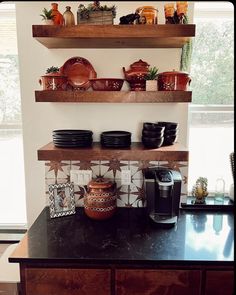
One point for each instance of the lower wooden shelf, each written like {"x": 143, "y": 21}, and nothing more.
{"x": 113, "y": 96}
{"x": 137, "y": 152}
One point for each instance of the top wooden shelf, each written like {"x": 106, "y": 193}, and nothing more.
{"x": 114, "y": 36}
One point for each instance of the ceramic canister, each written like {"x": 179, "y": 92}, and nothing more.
{"x": 100, "y": 199}
{"x": 173, "y": 80}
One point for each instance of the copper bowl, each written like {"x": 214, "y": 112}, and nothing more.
{"x": 106, "y": 84}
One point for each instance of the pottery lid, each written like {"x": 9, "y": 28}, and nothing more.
{"x": 100, "y": 183}
{"x": 174, "y": 72}
{"x": 139, "y": 64}
{"x": 54, "y": 75}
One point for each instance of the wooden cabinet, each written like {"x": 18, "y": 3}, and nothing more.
{"x": 158, "y": 282}
{"x": 219, "y": 282}
{"x": 62, "y": 281}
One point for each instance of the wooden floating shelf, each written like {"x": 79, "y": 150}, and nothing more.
{"x": 136, "y": 152}
{"x": 114, "y": 36}
{"x": 113, "y": 96}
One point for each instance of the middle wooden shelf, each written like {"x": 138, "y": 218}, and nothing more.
{"x": 137, "y": 152}
{"x": 113, "y": 96}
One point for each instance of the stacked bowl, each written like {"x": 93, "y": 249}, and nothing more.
{"x": 71, "y": 138}
{"x": 152, "y": 135}
{"x": 170, "y": 132}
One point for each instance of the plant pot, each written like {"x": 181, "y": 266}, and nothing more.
{"x": 47, "y": 22}
{"x": 151, "y": 85}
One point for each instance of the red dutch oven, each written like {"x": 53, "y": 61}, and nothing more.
{"x": 174, "y": 80}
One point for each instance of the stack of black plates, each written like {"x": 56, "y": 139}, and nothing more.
{"x": 116, "y": 139}
{"x": 72, "y": 138}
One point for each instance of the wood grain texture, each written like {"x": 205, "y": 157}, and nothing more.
{"x": 113, "y": 96}
{"x": 114, "y": 36}
{"x": 219, "y": 283}
{"x": 158, "y": 282}
{"x": 54, "y": 281}
{"x": 136, "y": 152}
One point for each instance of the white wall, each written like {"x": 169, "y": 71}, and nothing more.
{"x": 39, "y": 119}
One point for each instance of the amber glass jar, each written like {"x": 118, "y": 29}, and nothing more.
{"x": 58, "y": 17}
{"x": 100, "y": 199}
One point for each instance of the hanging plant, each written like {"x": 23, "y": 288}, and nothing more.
{"x": 186, "y": 54}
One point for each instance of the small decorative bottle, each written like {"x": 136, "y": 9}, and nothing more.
{"x": 69, "y": 19}
{"x": 219, "y": 191}
{"x": 58, "y": 18}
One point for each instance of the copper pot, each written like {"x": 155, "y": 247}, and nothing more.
{"x": 174, "y": 80}
{"x": 54, "y": 81}
{"x": 135, "y": 76}
{"x": 100, "y": 199}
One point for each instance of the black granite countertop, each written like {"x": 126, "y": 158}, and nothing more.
{"x": 129, "y": 237}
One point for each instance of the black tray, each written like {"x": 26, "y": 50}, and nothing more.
{"x": 209, "y": 205}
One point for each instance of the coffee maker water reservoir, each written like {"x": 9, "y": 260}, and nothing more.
{"x": 163, "y": 190}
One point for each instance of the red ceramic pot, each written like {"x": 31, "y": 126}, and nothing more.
{"x": 54, "y": 81}
{"x": 135, "y": 76}
{"x": 174, "y": 80}
{"x": 100, "y": 199}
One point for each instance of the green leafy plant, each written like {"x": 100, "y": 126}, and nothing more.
{"x": 199, "y": 190}
{"x": 152, "y": 74}
{"x": 52, "y": 69}
{"x": 47, "y": 14}
{"x": 84, "y": 11}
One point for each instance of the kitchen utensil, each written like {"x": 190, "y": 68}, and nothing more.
{"x": 78, "y": 70}
{"x": 174, "y": 80}
{"x": 100, "y": 199}
{"x": 168, "y": 125}
{"x": 106, "y": 84}
{"x": 152, "y": 142}
{"x": 153, "y": 127}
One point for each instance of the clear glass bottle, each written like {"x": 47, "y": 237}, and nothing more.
{"x": 69, "y": 19}
{"x": 219, "y": 191}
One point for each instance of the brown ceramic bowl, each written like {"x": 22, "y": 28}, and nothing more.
{"x": 106, "y": 84}
{"x": 175, "y": 80}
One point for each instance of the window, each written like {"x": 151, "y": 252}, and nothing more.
{"x": 12, "y": 196}
{"x": 211, "y": 132}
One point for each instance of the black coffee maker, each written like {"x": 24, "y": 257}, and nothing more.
{"x": 163, "y": 190}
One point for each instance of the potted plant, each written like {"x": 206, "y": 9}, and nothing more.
{"x": 151, "y": 79}
{"x": 53, "y": 79}
{"x": 47, "y": 17}
{"x": 96, "y": 14}
{"x": 199, "y": 190}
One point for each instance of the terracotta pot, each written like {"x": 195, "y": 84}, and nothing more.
{"x": 135, "y": 76}
{"x": 173, "y": 81}
{"x": 100, "y": 199}
{"x": 53, "y": 82}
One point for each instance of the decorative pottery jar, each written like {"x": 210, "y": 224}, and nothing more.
{"x": 174, "y": 80}
{"x": 53, "y": 81}
{"x": 69, "y": 19}
{"x": 136, "y": 75}
{"x": 100, "y": 199}
{"x": 58, "y": 17}
{"x": 148, "y": 15}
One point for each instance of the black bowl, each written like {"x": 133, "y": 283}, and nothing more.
{"x": 170, "y": 139}
{"x": 168, "y": 125}
{"x": 152, "y": 142}
{"x": 171, "y": 132}
{"x": 153, "y": 127}
{"x": 156, "y": 134}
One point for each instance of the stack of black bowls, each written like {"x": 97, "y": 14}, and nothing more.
{"x": 116, "y": 139}
{"x": 170, "y": 132}
{"x": 72, "y": 138}
{"x": 152, "y": 135}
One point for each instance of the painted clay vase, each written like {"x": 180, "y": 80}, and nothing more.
{"x": 136, "y": 75}
{"x": 58, "y": 17}
{"x": 100, "y": 199}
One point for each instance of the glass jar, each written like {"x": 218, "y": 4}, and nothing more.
{"x": 69, "y": 19}
{"x": 219, "y": 191}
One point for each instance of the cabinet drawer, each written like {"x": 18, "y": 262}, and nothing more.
{"x": 219, "y": 282}
{"x": 158, "y": 282}
{"x": 59, "y": 281}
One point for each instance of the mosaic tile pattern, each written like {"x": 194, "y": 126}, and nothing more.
{"x": 132, "y": 195}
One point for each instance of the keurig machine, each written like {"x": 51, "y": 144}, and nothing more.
{"x": 163, "y": 189}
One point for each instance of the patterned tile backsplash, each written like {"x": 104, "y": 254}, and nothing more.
{"x": 132, "y": 195}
